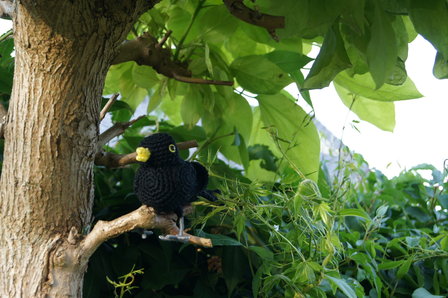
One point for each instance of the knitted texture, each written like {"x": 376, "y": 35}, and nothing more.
{"x": 166, "y": 182}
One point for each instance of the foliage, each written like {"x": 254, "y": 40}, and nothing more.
{"x": 124, "y": 285}
{"x": 355, "y": 232}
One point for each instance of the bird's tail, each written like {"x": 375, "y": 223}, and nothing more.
{"x": 209, "y": 194}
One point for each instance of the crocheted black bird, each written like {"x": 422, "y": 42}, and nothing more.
{"x": 166, "y": 182}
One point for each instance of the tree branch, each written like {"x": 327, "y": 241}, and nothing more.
{"x": 3, "y": 119}
{"x": 248, "y": 15}
{"x": 114, "y": 131}
{"x": 6, "y": 9}
{"x": 112, "y": 160}
{"x": 108, "y": 105}
{"x": 146, "y": 50}
{"x": 144, "y": 217}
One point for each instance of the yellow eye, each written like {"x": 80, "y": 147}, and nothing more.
{"x": 172, "y": 148}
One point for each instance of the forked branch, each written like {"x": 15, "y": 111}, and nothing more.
{"x": 144, "y": 217}
{"x": 146, "y": 50}
{"x": 114, "y": 131}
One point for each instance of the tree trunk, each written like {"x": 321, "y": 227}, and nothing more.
{"x": 63, "y": 51}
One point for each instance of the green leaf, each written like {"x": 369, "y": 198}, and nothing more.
{"x": 430, "y": 19}
{"x": 332, "y": 59}
{"x": 363, "y": 85}
{"x": 192, "y": 107}
{"x": 288, "y": 61}
{"x": 440, "y": 69}
{"x": 398, "y": 75}
{"x": 309, "y": 189}
{"x": 268, "y": 159}
{"x": 380, "y": 114}
{"x": 259, "y": 75}
{"x": 354, "y": 212}
{"x": 144, "y": 76}
{"x": 342, "y": 285}
{"x": 264, "y": 253}
{"x": 382, "y": 47}
{"x": 233, "y": 262}
{"x": 423, "y": 293}
{"x": 387, "y": 265}
{"x": 291, "y": 123}
{"x": 404, "y": 268}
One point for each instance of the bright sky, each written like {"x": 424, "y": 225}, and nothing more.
{"x": 420, "y": 133}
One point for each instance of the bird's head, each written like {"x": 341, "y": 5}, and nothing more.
{"x": 157, "y": 150}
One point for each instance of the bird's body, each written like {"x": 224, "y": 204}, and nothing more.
{"x": 167, "y": 189}
{"x": 165, "y": 181}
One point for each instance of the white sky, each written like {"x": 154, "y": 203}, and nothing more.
{"x": 419, "y": 135}
{"x": 420, "y": 132}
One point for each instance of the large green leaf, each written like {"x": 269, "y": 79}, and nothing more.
{"x": 379, "y": 113}
{"x": 332, "y": 59}
{"x": 423, "y": 293}
{"x": 343, "y": 286}
{"x": 382, "y": 48}
{"x": 259, "y": 75}
{"x": 192, "y": 107}
{"x": 440, "y": 69}
{"x": 299, "y": 137}
{"x": 288, "y": 61}
{"x": 430, "y": 19}
{"x": 364, "y": 85}
{"x": 144, "y": 76}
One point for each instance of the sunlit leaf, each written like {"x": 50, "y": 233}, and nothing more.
{"x": 364, "y": 85}
{"x": 423, "y": 293}
{"x": 291, "y": 123}
{"x": 342, "y": 285}
{"x": 379, "y": 113}
{"x": 259, "y": 75}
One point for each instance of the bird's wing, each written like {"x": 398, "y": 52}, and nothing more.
{"x": 201, "y": 176}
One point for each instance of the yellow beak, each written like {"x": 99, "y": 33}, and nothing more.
{"x": 143, "y": 154}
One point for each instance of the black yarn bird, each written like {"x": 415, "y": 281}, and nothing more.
{"x": 166, "y": 182}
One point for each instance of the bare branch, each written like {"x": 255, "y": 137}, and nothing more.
{"x": 248, "y": 15}
{"x": 109, "y": 104}
{"x": 112, "y": 160}
{"x": 3, "y": 119}
{"x": 146, "y": 50}
{"x": 144, "y": 217}
{"x": 164, "y": 39}
{"x": 6, "y": 9}
{"x": 114, "y": 131}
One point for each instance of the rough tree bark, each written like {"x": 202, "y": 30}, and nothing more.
{"x": 63, "y": 51}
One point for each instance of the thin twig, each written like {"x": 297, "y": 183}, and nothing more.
{"x": 108, "y": 105}
{"x": 114, "y": 131}
{"x": 164, "y": 39}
